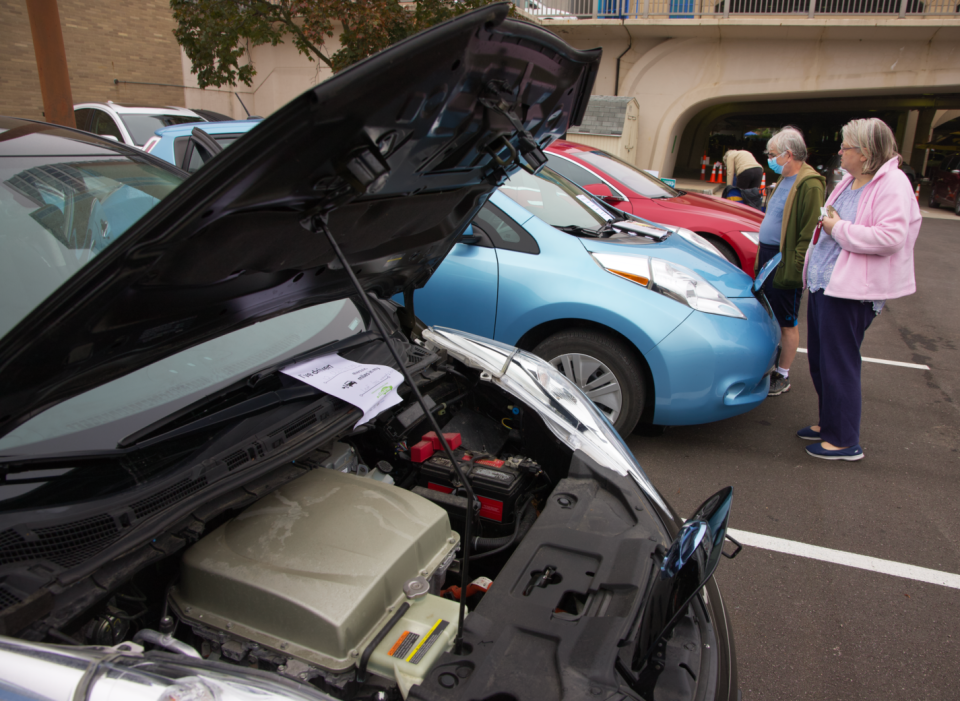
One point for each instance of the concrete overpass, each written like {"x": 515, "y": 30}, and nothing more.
{"x": 696, "y": 65}
{"x": 688, "y": 74}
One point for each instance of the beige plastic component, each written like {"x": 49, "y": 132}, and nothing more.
{"x": 411, "y": 647}
{"x": 316, "y": 568}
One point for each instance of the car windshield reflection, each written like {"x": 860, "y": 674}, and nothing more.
{"x": 58, "y": 214}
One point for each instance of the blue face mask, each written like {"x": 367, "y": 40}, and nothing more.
{"x": 774, "y": 166}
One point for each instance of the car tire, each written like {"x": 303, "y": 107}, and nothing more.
{"x": 605, "y": 368}
{"x": 932, "y": 203}
{"x": 956, "y": 204}
{"x": 726, "y": 250}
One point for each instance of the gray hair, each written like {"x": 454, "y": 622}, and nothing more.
{"x": 873, "y": 138}
{"x": 788, "y": 140}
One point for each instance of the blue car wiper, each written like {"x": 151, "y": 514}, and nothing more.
{"x": 582, "y": 230}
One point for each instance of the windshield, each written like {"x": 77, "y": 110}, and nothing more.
{"x": 640, "y": 182}
{"x": 142, "y": 126}
{"x": 556, "y": 202}
{"x": 100, "y": 418}
{"x": 57, "y": 213}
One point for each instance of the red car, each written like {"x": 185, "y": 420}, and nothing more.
{"x": 945, "y": 184}
{"x": 733, "y": 228}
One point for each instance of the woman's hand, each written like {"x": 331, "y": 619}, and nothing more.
{"x": 830, "y": 220}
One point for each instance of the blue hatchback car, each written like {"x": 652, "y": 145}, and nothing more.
{"x": 651, "y": 322}
{"x": 182, "y": 146}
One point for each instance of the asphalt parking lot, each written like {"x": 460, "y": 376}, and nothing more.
{"x": 807, "y": 628}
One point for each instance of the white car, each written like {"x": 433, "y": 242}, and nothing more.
{"x": 129, "y": 124}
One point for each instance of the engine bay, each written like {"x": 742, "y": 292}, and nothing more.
{"x": 345, "y": 576}
{"x": 338, "y": 564}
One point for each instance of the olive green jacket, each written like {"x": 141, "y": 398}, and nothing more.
{"x": 800, "y": 216}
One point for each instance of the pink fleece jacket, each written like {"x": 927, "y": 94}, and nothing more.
{"x": 876, "y": 262}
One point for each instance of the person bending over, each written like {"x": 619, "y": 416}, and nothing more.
{"x": 742, "y": 166}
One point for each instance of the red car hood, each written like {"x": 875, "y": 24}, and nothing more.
{"x": 739, "y": 216}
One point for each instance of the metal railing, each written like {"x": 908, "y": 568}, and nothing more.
{"x": 699, "y": 9}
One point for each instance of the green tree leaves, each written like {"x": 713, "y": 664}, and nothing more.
{"x": 217, "y": 34}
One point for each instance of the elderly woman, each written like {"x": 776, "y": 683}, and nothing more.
{"x": 863, "y": 257}
{"x": 792, "y": 212}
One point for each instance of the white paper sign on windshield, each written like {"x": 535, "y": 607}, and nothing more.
{"x": 595, "y": 207}
{"x": 370, "y": 388}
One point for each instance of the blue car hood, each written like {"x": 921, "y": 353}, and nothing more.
{"x": 729, "y": 280}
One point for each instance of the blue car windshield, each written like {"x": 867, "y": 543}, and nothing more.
{"x": 553, "y": 200}
{"x": 142, "y": 126}
{"x": 57, "y": 212}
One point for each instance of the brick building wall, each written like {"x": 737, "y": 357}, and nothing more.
{"x": 104, "y": 40}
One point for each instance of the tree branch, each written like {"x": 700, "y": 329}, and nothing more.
{"x": 292, "y": 25}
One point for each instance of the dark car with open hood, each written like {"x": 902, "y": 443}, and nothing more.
{"x": 232, "y": 468}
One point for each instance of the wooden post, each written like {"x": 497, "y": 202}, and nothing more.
{"x": 51, "y": 62}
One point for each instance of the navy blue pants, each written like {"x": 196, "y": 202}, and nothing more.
{"x": 835, "y": 329}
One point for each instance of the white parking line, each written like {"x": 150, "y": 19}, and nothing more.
{"x": 915, "y": 366}
{"x": 839, "y": 557}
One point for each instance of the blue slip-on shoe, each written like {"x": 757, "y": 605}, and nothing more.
{"x": 852, "y": 453}
{"x": 808, "y": 434}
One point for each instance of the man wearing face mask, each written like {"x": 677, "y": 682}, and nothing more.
{"x": 793, "y": 209}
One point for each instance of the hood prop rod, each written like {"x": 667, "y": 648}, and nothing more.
{"x": 319, "y": 224}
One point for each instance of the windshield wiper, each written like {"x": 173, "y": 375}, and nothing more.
{"x": 245, "y": 407}
{"x": 581, "y": 230}
{"x": 253, "y": 405}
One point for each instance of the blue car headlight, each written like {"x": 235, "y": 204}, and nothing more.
{"x": 671, "y": 280}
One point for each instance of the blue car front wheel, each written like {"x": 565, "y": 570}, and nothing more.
{"x": 604, "y": 368}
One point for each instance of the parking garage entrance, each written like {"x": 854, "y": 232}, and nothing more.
{"x": 748, "y": 126}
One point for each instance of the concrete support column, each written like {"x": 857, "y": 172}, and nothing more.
{"x": 945, "y": 116}
{"x": 909, "y": 137}
{"x": 924, "y": 127}
{"x": 901, "y": 127}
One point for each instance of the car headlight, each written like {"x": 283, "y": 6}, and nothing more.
{"x": 671, "y": 280}
{"x": 697, "y": 240}
{"x": 754, "y": 236}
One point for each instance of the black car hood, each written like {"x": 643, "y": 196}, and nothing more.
{"x": 395, "y": 155}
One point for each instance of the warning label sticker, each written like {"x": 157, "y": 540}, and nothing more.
{"x": 493, "y": 474}
{"x": 404, "y": 644}
{"x": 428, "y": 642}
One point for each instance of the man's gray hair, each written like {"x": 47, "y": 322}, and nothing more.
{"x": 788, "y": 140}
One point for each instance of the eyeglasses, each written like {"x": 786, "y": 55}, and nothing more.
{"x": 774, "y": 155}
{"x": 847, "y": 148}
